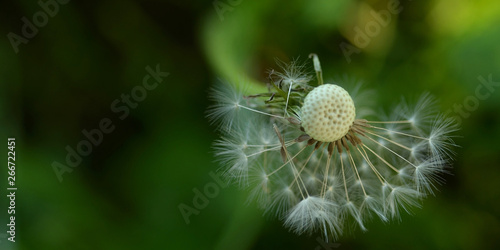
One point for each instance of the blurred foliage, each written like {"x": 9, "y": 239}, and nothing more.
{"x": 126, "y": 193}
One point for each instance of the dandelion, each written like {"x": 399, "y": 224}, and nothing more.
{"x": 309, "y": 157}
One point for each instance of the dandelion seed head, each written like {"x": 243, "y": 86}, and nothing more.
{"x": 310, "y": 159}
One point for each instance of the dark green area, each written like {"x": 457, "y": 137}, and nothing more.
{"x": 125, "y": 194}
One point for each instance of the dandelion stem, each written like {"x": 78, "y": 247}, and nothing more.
{"x": 317, "y": 68}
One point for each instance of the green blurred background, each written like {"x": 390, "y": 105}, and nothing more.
{"x": 126, "y": 193}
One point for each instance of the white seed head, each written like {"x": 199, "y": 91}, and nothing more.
{"x": 385, "y": 169}
{"x": 327, "y": 113}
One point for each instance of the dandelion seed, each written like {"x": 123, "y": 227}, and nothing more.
{"x": 309, "y": 157}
